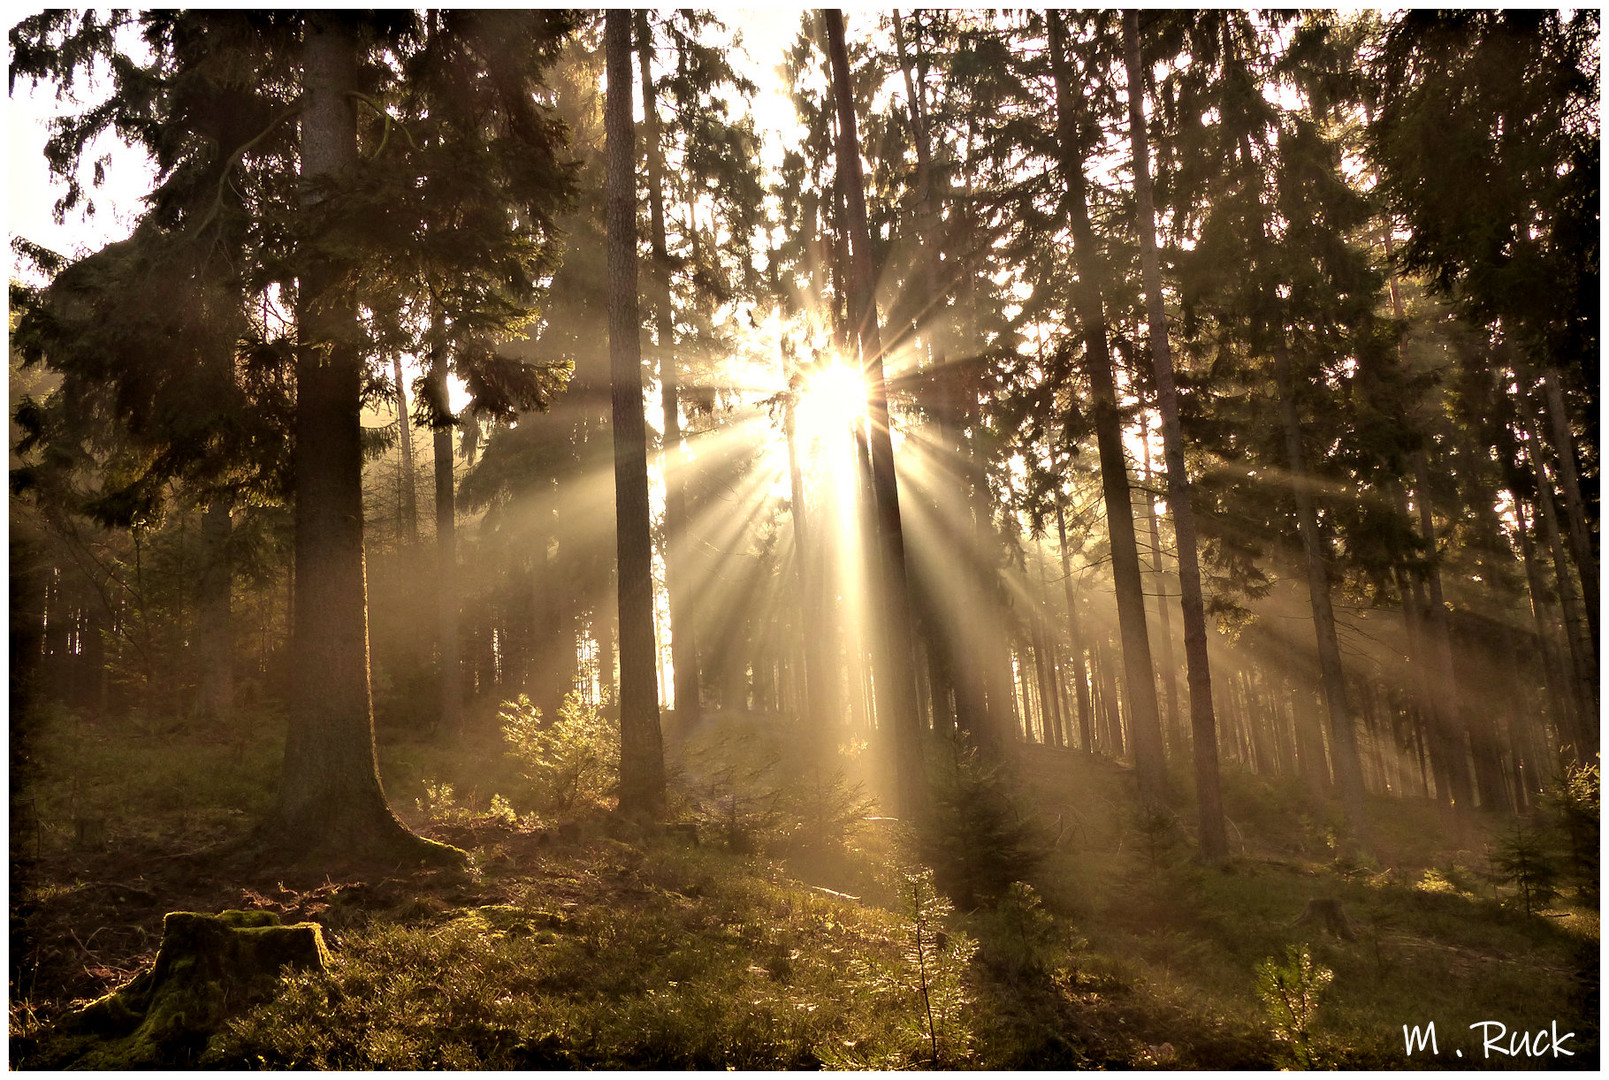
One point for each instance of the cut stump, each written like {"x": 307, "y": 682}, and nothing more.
{"x": 209, "y": 968}
{"x": 1328, "y": 915}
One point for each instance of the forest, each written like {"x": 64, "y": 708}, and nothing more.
{"x": 799, "y": 539}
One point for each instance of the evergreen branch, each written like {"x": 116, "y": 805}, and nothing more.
{"x": 236, "y": 158}
{"x": 385, "y": 135}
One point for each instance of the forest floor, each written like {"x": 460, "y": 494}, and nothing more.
{"x": 594, "y": 944}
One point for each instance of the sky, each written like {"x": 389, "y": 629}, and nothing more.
{"x": 31, "y": 193}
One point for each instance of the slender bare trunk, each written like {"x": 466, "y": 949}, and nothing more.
{"x": 1343, "y": 729}
{"x": 1145, "y": 725}
{"x": 897, "y": 687}
{"x": 683, "y": 640}
{"x": 215, "y": 629}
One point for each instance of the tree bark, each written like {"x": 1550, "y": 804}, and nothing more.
{"x": 642, "y": 764}
{"x": 330, "y": 796}
{"x": 1145, "y": 724}
{"x": 897, "y": 686}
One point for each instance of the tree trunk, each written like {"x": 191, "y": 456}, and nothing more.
{"x": 1075, "y": 640}
{"x": 1560, "y": 686}
{"x": 448, "y": 634}
{"x": 330, "y": 797}
{"x": 214, "y": 632}
{"x": 1581, "y": 545}
{"x": 1159, "y": 579}
{"x": 642, "y": 763}
{"x": 1198, "y": 671}
{"x": 1150, "y": 766}
{"x": 1488, "y": 775}
{"x": 683, "y": 642}
{"x": 897, "y": 687}
{"x": 1582, "y": 743}
{"x": 408, "y": 505}
{"x": 1343, "y": 731}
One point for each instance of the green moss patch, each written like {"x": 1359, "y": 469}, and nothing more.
{"x": 208, "y": 969}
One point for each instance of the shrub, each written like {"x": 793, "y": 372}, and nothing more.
{"x": 1522, "y": 861}
{"x": 1290, "y": 992}
{"x": 1574, "y": 802}
{"x": 572, "y": 762}
{"x": 973, "y": 836}
{"x": 744, "y": 783}
{"x": 1016, "y": 936}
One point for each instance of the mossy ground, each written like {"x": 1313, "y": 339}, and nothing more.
{"x": 604, "y": 946}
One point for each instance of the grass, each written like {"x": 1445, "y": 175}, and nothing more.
{"x": 611, "y": 947}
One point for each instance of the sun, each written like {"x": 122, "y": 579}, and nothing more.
{"x": 831, "y": 401}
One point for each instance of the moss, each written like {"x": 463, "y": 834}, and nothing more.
{"x": 209, "y": 968}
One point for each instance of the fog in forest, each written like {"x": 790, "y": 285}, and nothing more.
{"x": 792, "y": 539}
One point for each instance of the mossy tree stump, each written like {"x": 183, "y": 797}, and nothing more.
{"x": 208, "y": 969}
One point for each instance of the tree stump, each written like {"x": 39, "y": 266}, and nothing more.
{"x": 1328, "y": 914}
{"x": 209, "y": 968}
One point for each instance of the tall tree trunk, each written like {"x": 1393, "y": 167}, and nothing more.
{"x": 1075, "y": 639}
{"x": 215, "y": 631}
{"x": 1343, "y": 727}
{"x": 1214, "y": 841}
{"x": 1159, "y": 579}
{"x": 408, "y": 505}
{"x": 642, "y": 763}
{"x": 330, "y": 796}
{"x": 1560, "y": 686}
{"x": 1488, "y": 780}
{"x": 449, "y": 637}
{"x": 683, "y": 642}
{"x": 1581, "y": 545}
{"x": 1150, "y": 766}
{"x": 1582, "y": 743}
{"x": 1449, "y": 713}
{"x": 897, "y": 686}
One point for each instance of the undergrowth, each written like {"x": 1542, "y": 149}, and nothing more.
{"x": 763, "y": 943}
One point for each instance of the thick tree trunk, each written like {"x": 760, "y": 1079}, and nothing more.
{"x": 330, "y": 796}
{"x": 1343, "y": 729}
{"x": 683, "y": 642}
{"x": 1150, "y": 766}
{"x": 642, "y": 763}
{"x": 215, "y": 630}
{"x": 897, "y": 685}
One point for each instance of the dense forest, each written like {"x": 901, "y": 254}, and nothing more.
{"x": 1015, "y": 539}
